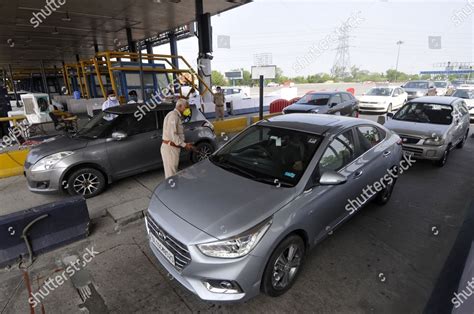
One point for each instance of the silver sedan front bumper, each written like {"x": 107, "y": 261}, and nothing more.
{"x": 424, "y": 151}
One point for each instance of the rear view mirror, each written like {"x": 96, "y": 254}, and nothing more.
{"x": 332, "y": 178}
{"x": 119, "y": 135}
{"x": 333, "y": 104}
{"x": 389, "y": 114}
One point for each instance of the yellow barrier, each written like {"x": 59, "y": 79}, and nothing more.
{"x": 267, "y": 116}
{"x": 11, "y": 163}
{"x": 230, "y": 125}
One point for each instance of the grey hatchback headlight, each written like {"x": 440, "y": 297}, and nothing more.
{"x": 50, "y": 161}
{"x": 237, "y": 246}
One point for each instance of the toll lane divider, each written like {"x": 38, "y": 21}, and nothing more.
{"x": 11, "y": 163}
{"x": 237, "y": 124}
{"x": 43, "y": 228}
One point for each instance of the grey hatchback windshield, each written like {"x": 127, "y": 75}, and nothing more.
{"x": 379, "y": 92}
{"x": 425, "y": 113}
{"x": 315, "y": 99}
{"x": 269, "y": 155}
{"x": 97, "y": 126}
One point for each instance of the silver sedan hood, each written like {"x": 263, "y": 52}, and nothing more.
{"x": 218, "y": 202}
{"x": 423, "y": 130}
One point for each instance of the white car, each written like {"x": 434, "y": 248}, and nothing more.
{"x": 467, "y": 93}
{"x": 382, "y": 99}
{"x": 443, "y": 88}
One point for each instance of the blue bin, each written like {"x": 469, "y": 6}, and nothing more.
{"x": 77, "y": 94}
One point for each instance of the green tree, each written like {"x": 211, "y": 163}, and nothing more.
{"x": 218, "y": 79}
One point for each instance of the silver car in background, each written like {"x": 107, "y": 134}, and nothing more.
{"x": 430, "y": 127}
{"x": 242, "y": 221}
{"x": 416, "y": 89}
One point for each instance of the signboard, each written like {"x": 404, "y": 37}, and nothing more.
{"x": 223, "y": 41}
{"x": 234, "y": 75}
{"x": 261, "y": 59}
{"x": 268, "y": 72}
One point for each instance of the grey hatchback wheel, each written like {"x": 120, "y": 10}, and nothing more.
{"x": 87, "y": 182}
{"x": 203, "y": 151}
{"x": 283, "y": 266}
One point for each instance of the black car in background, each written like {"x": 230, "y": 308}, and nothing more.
{"x": 338, "y": 103}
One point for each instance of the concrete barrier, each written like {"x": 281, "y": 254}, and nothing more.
{"x": 11, "y": 163}
{"x": 267, "y": 116}
{"x": 230, "y": 125}
{"x": 42, "y": 228}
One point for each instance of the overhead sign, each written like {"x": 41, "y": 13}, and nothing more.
{"x": 268, "y": 72}
{"x": 223, "y": 41}
{"x": 234, "y": 75}
{"x": 434, "y": 42}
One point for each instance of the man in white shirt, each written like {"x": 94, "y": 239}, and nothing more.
{"x": 109, "y": 103}
{"x": 173, "y": 138}
{"x": 195, "y": 99}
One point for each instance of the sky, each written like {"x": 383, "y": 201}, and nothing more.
{"x": 289, "y": 29}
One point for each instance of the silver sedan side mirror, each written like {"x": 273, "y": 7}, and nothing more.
{"x": 332, "y": 178}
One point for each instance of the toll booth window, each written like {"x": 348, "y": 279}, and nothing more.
{"x": 162, "y": 80}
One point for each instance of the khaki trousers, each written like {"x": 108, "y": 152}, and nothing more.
{"x": 219, "y": 112}
{"x": 170, "y": 156}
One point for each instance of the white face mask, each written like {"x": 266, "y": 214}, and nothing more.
{"x": 113, "y": 98}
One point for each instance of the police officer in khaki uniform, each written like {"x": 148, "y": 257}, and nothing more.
{"x": 219, "y": 101}
{"x": 173, "y": 138}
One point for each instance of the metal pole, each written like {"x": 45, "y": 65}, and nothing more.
{"x": 142, "y": 84}
{"x": 174, "y": 57}
{"x": 399, "y": 43}
{"x": 260, "y": 107}
{"x": 13, "y": 83}
{"x": 57, "y": 80}
{"x": 45, "y": 82}
{"x": 149, "y": 50}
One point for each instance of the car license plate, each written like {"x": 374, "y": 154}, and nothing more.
{"x": 163, "y": 249}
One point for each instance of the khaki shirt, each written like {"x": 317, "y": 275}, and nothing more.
{"x": 173, "y": 130}
{"x": 219, "y": 99}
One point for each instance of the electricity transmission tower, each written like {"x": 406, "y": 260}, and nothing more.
{"x": 342, "y": 63}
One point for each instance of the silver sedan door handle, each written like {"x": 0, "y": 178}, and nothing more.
{"x": 358, "y": 174}
{"x": 387, "y": 153}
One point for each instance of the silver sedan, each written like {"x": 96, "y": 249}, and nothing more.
{"x": 430, "y": 127}
{"x": 242, "y": 222}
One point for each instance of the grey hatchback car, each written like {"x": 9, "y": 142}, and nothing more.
{"x": 111, "y": 146}
{"x": 242, "y": 221}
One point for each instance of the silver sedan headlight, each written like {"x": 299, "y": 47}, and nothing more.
{"x": 435, "y": 141}
{"x": 237, "y": 246}
{"x": 50, "y": 161}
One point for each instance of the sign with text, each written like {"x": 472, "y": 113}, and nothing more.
{"x": 268, "y": 72}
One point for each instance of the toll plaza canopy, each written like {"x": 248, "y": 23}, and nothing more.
{"x": 60, "y": 30}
